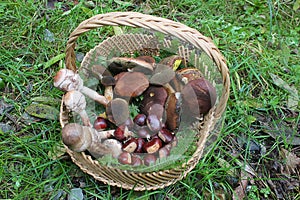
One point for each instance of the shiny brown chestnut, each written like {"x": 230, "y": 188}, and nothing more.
{"x": 199, "y": 95}
{"x": 143, "y": 132}
{"x": 149, "y": 159}
{"x": 130, "y": 146}
{"x": 125, "y": 158}
{"x": 164, "y": 151}
{"x": 136, "y": 161}
{"x": 121, "y": 133}
{"x": 165, "y": 135}
{"x": 140, "y": 144}
{"x": 100, "y": 123}
{"x": 140, "y": 119}
{"x": 153, "y": 145}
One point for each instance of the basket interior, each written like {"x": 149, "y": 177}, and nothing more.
{"x": 144, "y": 42}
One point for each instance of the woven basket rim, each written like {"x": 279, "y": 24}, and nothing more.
{"x": 183, "y": 32}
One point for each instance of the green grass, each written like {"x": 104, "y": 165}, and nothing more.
{"x": 256, "y": 37}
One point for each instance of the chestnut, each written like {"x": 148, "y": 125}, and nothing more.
{"x": 165, "y": 135}
{"x": 153, "y": 123}
{"x": 131, "y": 84}
{"x": 140, "y": 119}
{"x": 125, "y": 158}
{"x": 140, "y": 143}
{"x": 122, "y": 133}
{"x": 164, "y": 151}
{"x": 130, "y": 146}
{"x": 149, "y": 159}
{"x": 153, "y": 145}
{"x": 199, "y": 95}
{"x": 136, "y": 161}
{"x": 143, "y": 132}
{"x": 100, "y": 123}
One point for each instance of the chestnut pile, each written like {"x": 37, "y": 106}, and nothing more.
{"x": 165, "y": 94}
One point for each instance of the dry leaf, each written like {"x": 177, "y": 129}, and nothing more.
{"x": 240, "y": 191}
{"x": 291, "y": 161}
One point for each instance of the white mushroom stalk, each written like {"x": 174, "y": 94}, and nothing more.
{"x": 67, "y": 80}
{"x": 81, "y": 138}
{"x": 75, "y": 101}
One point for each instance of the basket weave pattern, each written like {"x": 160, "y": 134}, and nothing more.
{"x": 128, "y": 43}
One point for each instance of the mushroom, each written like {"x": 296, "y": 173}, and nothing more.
{"x": 117, "y": 111}
{"x": 121, "y": 64}
{"x": 131, "y": 84}
{"x": 189, "y": 74}
{"x": 173, "y": 111}
{"x": 172, "y": 61}
{"x": 67, "y": 80}
{"x": 162, "y": 75}
{"x": 199, "y": 95}
{"x": 154, "y": 101}
{"x": 75, "y": 101}
{"x": 81, "y": 138}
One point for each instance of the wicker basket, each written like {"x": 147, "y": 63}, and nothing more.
{"x": 184, "y": 41}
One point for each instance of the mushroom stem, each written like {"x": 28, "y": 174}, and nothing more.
{"x": 81, "y": 138}
{"x": 94, "y": 95}
{"x": 67, "y": 80}
{"x": 75, "y": 101}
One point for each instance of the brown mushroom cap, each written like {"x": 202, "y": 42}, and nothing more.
{"x": 173, "y": 111}
{"x": 162, "y": 75}
{"x": 121, "y": 64}
{"x": 153, "y": 95}
{"x": 189, "y": 74}
{"x": 117, "y": 111}
{"x": 199, "y": 95}
{"x": 147, "y": 59}
{"x": 131, "y": 84}
{"x": 75, "y": 138}
{"x": 170, "y": 61}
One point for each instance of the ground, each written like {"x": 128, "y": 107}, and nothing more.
{"x": 257, "y": 154}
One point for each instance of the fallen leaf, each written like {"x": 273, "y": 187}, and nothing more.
{"x": 291, "y": 161}
{"x": 293, "y": 98}
{"x": 42, "y": 111}
{"x": 240, "y": 191}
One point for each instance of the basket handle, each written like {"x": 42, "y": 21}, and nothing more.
{"x": 166, "y": 26}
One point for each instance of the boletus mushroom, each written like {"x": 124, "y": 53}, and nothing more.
{"x": 173, "y": 111}
{"x": 121, "y": 64}
{"x": 117, "y": 111}
{"x": 131, "y": 84}
{"x": 199, "y": 95}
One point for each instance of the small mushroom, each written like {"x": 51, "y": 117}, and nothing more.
{"x": 81, "y": 138}
{"x": 199, "y": 95}
{"x": 189, "y": 74}
{"x": 173, "y": 111}
{"x": 131, "y": 84}
{"x": 117, "y": 111}
{"x": 67, "y": 80}
{"x": 75, "y": 101}
{"x": 121, "y": 64}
